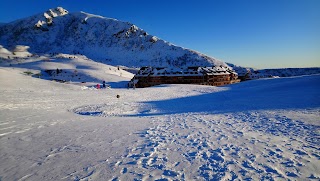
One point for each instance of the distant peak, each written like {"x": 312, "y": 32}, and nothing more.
{"x": 59, "y": 11}
{"x": 49, "y": 15}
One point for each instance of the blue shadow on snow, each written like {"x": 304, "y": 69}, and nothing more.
{"x": 267, "y": 94}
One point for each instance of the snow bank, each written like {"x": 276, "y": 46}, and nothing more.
{"x": 4, "y": 53}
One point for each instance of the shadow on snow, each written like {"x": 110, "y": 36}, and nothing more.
{"x": 268, "y": 94}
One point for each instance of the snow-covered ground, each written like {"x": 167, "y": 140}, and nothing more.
{"x": 266, "y": 129}
{"x": 73, "y": 69}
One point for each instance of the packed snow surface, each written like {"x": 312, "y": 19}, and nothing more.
{"x": 265, "y": 129}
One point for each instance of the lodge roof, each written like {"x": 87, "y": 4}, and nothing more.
{"x": 185, "y": 71}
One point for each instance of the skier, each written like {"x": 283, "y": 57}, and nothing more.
{"x": 98, "y": 86}
{"x": 104, "y": 84}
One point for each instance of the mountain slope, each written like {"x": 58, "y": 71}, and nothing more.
{"x": 103, "y": 39}
{"x": 280, "y": 72}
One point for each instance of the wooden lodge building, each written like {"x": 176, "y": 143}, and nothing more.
{"x": 215, "y": 76}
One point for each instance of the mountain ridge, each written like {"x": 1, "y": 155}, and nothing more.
{"x": 103, "y": 39}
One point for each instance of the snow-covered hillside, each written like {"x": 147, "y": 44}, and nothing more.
{"x": 261, "y": 130}
{"x": 279, "y": 72}
{"x": 72, "y": 69}
{"x": 242, "y": 71}
{"x": 102, "y": 39}
{"x": 289, "y": 72}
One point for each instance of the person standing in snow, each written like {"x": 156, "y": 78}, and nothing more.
{"x": 98, "y": 86}
{"x": 104, "y": 84}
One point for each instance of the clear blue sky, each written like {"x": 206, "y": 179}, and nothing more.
{"x": 254, "y": 33}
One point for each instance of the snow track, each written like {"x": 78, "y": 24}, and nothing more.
{"x": 117, "y": 108}
{"x": 223, "y": 147}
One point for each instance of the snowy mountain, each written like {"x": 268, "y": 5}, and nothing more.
{"x": 242, "y": 71}
{"x": 252, "y": 73}
{"x": 289, "y": 72}
{"x": 102, "y": 39}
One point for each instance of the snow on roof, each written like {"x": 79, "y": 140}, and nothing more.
{"x": 183, "y": 71}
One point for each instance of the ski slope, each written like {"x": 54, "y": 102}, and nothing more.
{"x": 264, "y": 129}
